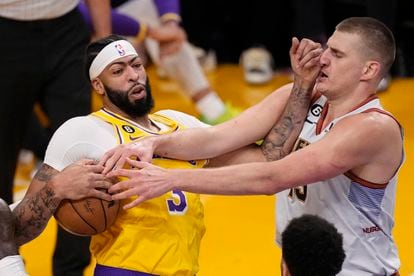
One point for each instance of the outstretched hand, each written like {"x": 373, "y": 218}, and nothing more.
{"x": 146, "y": 181}
{"x": 116, "y": 158}
{"x": 304, "y": 59}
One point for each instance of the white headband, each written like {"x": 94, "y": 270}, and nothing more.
{"x": 111, "y": 52}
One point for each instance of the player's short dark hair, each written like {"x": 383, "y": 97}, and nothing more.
{"x": 95, "y": 47}
{"x": 379, "y": 42}
{"x": 312, "y": 246}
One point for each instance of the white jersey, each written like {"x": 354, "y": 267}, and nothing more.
{"x": 362, "y": 211}
{"x": 12, "y": 265}
{"x": 90, "y": 137}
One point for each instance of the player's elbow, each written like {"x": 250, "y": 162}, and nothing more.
{"x": 325, "y": 169}
{"x": 271, "y": 181}
{"x": 272, "y": 187}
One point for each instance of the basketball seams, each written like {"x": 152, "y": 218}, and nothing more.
{"x": 83, "y": 219}
{"x": 88, "y": 216}
{"x": 104, "y": 213}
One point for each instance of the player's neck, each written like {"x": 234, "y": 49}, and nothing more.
{"x": 342, "y": 105}
{"x": 144, "y": 121}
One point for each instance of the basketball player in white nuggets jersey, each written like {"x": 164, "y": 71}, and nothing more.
{"x": 345, "y": 161}
{"x": 360, "y": 208}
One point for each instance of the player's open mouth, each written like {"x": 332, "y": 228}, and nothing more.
{"x": 137, "y": 92}
{"x": 322, "y": 76}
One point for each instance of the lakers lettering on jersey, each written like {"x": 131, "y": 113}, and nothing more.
{"x": 160, "y": 236}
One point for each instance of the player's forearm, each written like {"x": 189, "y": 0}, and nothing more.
{"x": 188, "y": 144}
{"x": 251, "y": 125}
{"x": 100, "y": 12}
{"x": 299, "y": 168}
{"x": 281, "y": 138}
{"x": 201, "y": 143}
{"x": 245, "y": 179}
{"x": 33, "y": 214}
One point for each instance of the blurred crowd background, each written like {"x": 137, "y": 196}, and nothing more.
{"x": 229, "y": 27}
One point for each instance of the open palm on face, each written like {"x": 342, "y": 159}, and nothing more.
{"x": 304, "y": 59}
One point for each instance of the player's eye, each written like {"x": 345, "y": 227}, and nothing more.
{"x": 117, "y": 71}
{"x": 136, "y": 65}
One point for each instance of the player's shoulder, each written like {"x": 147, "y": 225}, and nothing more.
{"x": 376, "y": 119}
{"x": 182, "y": 118}
{"x": 173, "y": 113}
{"x": 78, "y": 121}
{"x": 375, "y": 124}
{"x": 79, "y": 127}
{"x": 384, "y": 123}
{"x": 81, "y": 122}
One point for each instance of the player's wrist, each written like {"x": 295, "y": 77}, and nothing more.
{"x": 174, "y": 179}
{"x": 54, "y": 189}
{"x": 304, "y": 84}
{"x": 157, "y": 142}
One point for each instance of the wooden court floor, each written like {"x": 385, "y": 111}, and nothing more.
{"x": 240, "y": 230}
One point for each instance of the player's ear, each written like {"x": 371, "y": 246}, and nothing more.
{"x": 98, "y": 86}
{"x": 371, "y": 70}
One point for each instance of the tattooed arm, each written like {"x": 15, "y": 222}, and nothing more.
{"x": 36, "y": 208}
{"x": 48, "y": 188}
{"x": 280, "y": 140}
{"x": 305, "y": 64}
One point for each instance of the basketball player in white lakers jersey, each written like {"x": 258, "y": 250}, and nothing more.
{"x": 344, "y": 167}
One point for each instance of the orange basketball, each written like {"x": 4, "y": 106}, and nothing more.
{"x": 88, "y": 216}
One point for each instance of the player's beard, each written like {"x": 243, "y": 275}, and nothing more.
{"x": 135, "y": 108}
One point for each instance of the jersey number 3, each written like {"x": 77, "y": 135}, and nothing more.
{"x": 178, "y": 204}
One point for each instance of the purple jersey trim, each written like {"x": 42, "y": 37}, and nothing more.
{"x": 102, "y": 270}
